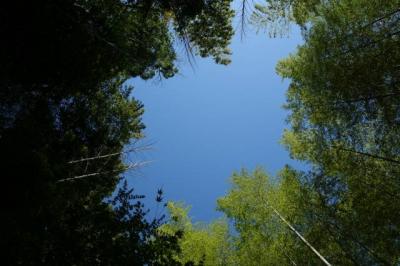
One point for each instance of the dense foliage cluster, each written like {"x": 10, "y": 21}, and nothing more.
{"x": 66, "y": 116}
{"x": 344, "y": 105}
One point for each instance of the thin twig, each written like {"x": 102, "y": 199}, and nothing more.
{"x": 130, "y": 166}
{"x": 147, "y": 147}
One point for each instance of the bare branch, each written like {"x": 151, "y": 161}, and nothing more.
{"x": 243, "y": 18}
{"x": 130, "y": 166}
{"x": 268, "y": 205}
{"x": 300, "y": 236}
{"x": 189, "y": 49}
{"x": 374, "y": 156}
{"x": 134, "y": 149}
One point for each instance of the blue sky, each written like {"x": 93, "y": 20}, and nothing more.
{"x": 209, "y": 121}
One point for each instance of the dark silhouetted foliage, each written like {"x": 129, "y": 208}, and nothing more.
{"x": 63, "y": 98}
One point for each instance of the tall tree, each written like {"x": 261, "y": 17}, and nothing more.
{"x": 344, "y": 122}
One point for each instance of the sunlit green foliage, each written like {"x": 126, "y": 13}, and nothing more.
{"x": 201, "y": 244}
{"x": 261, "y": 236}
{"x": 344, "y": 106}
{"x": 257, "y": 236}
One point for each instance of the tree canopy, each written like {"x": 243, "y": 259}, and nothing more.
{"x": 67, "y": 118}
{"x": 344, "y": 117}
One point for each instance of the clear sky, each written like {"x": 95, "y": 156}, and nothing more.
{"x": 209, "y": 121}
